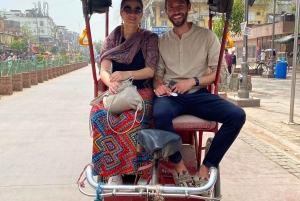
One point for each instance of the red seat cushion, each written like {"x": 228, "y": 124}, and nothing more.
{"x": 191, "y": 122}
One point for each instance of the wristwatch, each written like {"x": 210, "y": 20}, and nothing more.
{"x": 197, "y": 81}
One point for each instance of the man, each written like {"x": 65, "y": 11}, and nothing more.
{"x": 11, "y": 57}
{"x": 233, "y": 62}
{"x": 97, "y": 60}
{"x": 189, "y": 57}
{"x": 228, "y": 59}
{"x": 262, "y": 56}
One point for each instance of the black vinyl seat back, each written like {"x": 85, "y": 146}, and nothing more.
{"x": 98, "y": 6}
{"x": 221, "y": 6}
{"x": 158, "y": 140}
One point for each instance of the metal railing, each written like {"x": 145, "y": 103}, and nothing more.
{"x": 8, "y": 68}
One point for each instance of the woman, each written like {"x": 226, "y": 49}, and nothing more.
{"x": 133, "y": 53}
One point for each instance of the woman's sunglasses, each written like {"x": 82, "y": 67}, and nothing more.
{"x": 136, "y": 11}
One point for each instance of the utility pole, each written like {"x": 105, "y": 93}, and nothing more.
{"x": 37, "y": 24}
{"x": 296, "y": 35}
{"x": 243, "y": 78}
{"x": 270, "y": 72}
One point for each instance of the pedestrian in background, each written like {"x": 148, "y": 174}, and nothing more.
{"x": 228, "y": 59}
{"x": 262, "y": 56}
{"x": 233, "y": 61}
{"x": 97, "y": 60}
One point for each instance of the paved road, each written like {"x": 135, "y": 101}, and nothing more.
{"x": 268, "y": 122}
{"x": 45, "y": 144}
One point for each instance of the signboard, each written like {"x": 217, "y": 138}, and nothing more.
{"x": 243, "y": 25}
{"x": 160, "y": 30}
{"x": 247, "y": 31}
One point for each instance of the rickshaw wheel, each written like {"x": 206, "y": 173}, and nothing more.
{"x": 217, "y": 187}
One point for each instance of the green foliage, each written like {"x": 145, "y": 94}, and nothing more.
{"x": 39, "y": 58}
{"x": 16, "y": 45}
{"x": 98, "y": 45}
{"x": 293, "y": 9}
{"x": 63, "y": 51}
{"x": 27, "y": 34}
{"x": 53, "y": 50}
{"x": 77, "y": 57}
{"x": 42, "y": 49}
{"x": 237, "y": 17}
{"x": 64, "y": 57}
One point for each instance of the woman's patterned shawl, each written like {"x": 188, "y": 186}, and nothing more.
{"x": 114, "y": 49}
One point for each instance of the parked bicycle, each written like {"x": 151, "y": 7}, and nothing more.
{"x": 260, "y": 68}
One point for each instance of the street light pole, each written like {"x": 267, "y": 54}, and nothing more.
{"x": 270, "y": 72}
{"x": 243, "y": 79}
{"x": 296, "y": 34}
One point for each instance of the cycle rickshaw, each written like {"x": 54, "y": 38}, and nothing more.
{"x": 160, "y": 184}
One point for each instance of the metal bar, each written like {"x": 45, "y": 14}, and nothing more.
{"x": 221, "y": 55}
{"x": 165, "y": 189}
{"x": 92, "y": 56}
{"x": 210, "y": 21}
{"x": 106, "y": 23}
{"x": 272, "y": 59}
{"x": 296, "y": 34}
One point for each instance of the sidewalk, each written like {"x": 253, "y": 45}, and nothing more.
{"x": 45, "y": 144}
{"x": 270, "y": 119}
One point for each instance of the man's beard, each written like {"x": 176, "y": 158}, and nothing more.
{"x": 179, "y": 23}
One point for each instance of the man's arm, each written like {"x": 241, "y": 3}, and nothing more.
{"x": 185, "y": 85}
{"x": 158, "y": 82}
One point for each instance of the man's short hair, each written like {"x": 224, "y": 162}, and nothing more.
{"x": 187, "y": 3}
{"x": 226, "y": 50}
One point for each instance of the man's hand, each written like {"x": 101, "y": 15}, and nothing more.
{"x": 162, "y": 90}
{"x": 183, "y": 86}
{"x": 114, "y": 86}
{"x": 119, "y": 76}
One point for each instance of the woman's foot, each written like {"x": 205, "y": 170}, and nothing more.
{"x": 115, "y": 180}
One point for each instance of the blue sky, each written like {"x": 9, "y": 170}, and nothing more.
{"x": 69, "y": 13}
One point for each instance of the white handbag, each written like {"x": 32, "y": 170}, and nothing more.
{"x": 127, "y": 98}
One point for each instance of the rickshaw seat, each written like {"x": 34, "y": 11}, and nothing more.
{"x": 191, "y": 122}
{"x": 158, "y": 140}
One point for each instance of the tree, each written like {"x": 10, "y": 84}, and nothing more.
{"x": 63, "y": 51}
{"x": 16, "y": 45}
{"x": 237, "y": 17}
{"x": 25, "y": 45}
{"x": 98, "y": 45}
{"x": 53, "y": 50}
{"x": 27, "y": 33}
{"x": 42, "y": 49}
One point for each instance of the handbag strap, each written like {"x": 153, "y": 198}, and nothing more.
{"x": 135, "y": 118}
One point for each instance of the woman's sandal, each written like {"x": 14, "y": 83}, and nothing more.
{"x": 183, "y": 179}
{"x": 199, "y": 182}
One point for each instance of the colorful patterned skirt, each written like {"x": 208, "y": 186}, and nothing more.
{"x": 115, "y": 154}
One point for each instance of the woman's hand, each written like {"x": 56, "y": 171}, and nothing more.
{"x": 119, "y": 76}
{"x": 114, "y": 86}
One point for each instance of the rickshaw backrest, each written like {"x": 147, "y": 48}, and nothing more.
{"x": 221, "y": 6}
{"x": 98, "y": 6}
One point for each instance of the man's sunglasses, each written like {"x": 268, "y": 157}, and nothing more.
{"x": 136, "y": 11}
